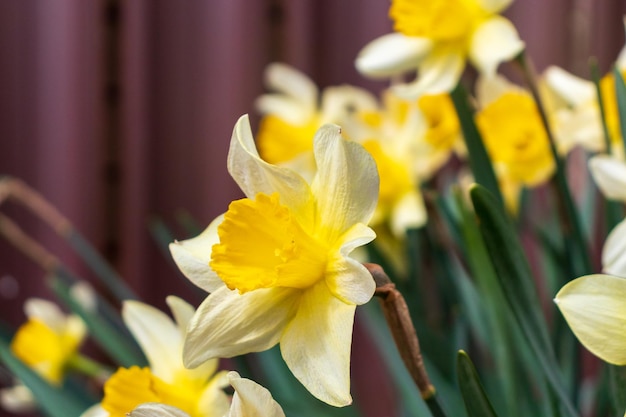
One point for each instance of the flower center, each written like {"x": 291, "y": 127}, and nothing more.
{"x": 443, "y": 123}
{"x": 262, "y": 245}
{"x": 514, "y": 136}
{"x": 439, "y": 20}
{"x": 279, "y": 141}
{"x": 129, "y": 387}
{"x": 43, "y": 349}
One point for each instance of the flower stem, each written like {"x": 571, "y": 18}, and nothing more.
{"x": 577, "y": 251}
{"x": 399, "y": 320}
{"x": 89, "y": 367}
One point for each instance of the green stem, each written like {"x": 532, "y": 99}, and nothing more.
{"x": 575, "y": 245}
{"x": 595, "y": 77}
{"x": 88, "y": 366}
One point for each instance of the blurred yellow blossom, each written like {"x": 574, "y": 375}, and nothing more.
{"x": 276, "y": 264}
{"x": 199, "y": 392}
{"x": 514, "y": 137}
{"x": 435, "y": 38}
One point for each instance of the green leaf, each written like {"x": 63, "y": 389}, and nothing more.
{"x": 517, "y": 284}
{"x": 479, "y": 161}
{"x": 118, "y": 343}
{"x": 53, "y": 401}
{"x": 620, "y": 93}
{"x": 476, "y": 402}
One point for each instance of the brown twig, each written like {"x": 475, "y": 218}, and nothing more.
{"x": 399, "y": 320}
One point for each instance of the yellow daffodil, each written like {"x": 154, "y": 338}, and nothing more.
{"x": 276, "y": 264}
{"x": 293, "y": 112}
{"x": 514, "y": 137}
{"x": 250, "y": 400}
{"x": 594, "y": 308}
{"x": 435, "y": 37}
{"x": 198, "y": 392}
{"x": 49, "y": 340}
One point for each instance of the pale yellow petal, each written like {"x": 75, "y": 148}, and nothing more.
{"x": 438, "y": 73}
{"x": 292, "y": 83}
{"x": 494, "y": 6}
{"x": 47, "y": 312}
{"x": 95, "y": 411}
{"x": 489, "y": 89}
{"x": 251, "y": 399}
{"x": 192, "y": 256}
{"x": 17, "y": 399}
{"x": 614, "y": 251}
{"x": 409, "y": 212}
{"x": 610, "y": 176}
{"x": 157, "y": 410}
{"x": 391, "y": 54}
{"x": 213, "y": 401}
{"x": 620, "y": 62}
{"x": 347, "y": 278}
{"x": 159, "y": 337}
{"x": 342, "y": 101}
{"x": 316, "y": 345}
{"x": 594, "y": 308}
{"x": 228, "y": 324}
{"x": 346, "y": 183}
{"x": 181, "y": 310}
{"x": 285, "y": 108}
{"x": 574, "y": 90}
{"x": 493, "y": 42}
{"x": 253, "y": 175}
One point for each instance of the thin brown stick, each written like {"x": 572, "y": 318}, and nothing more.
{"x": 28, "y": 246}
{"x": 399, "y": 320}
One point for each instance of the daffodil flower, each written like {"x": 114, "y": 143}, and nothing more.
{"x": 276, "y": 264}
{"x": 199, "y": 392}
{"x": 435, "y": 37}
{"x": 514, "y": 137}
{"x": 250, "y": 400}
{"x": 49, "y": 340}
{"x": 293, "y": 112}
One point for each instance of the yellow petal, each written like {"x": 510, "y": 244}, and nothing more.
{"x": 316, "y": 345}
{"x": 228, "y": 324}
{"x": 346, "y": 184}
{"x": 495, "y": 41}
{"x": 157, "y": 410}
{"x": 251, "y": 399}
{"x": 594, "y": 308}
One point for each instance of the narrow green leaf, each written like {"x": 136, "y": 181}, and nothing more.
{"x": 117, "y": 343}
{"x": 53, "y": 401}
{"x": 617, "y": 382}
{"x": 476, "y": 402}
{"x": 595, "y": 77}
{"x": 620, "y": 92}
{"x": 517, "y": 284}
{"x": 107, "y": 275}
{"x": 479, "y": 161}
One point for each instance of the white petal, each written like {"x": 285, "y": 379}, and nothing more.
{"x": 574, "y": 90}
{"x": 192, "y": 256}
{"x": 213, "y": 400}
{"x": 438, "y": 73}
{"x": 285, "y": 108}
{"x": 594, "y": 308}
{"x": 316, "y": 345}
{"x": 84, "y": 293}
{"x": 614, "y": 251}
{"x": 494, "y": 6}
{"x": 408, "y": 213}
{"x": 47, "y": 312}
{"x": 391, "y": 54}
{"x": 17, "y": 399}
{"x": 157, "y": 410}
{"x": 251, "y": 399}
{"x": 158, "y": 336}
{"x": 610, "y": 176}
{"x": 493, "y": 42}
{"x": 228, "y": 324}
{"x": 181, "y": 310}
{"x": 293, "y": 83}
{"x": 346, "y": 183}
{"x": 339, "y": 102}
{"x": 489, "y": 89}
{"x": 253, "y": 175}
{"x": 346, "y": 278}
